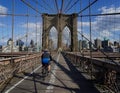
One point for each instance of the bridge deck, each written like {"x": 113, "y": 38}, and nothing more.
{"x": 63, "y": 78}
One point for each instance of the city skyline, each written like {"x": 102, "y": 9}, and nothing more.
{"x": 102, "y": 27}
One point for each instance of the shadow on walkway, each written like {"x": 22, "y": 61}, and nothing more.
{"x": 85, "y": 86}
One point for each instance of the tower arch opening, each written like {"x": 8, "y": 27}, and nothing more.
{"x": 59, "y": 21}
{"x": 66, "y": 38}
{"x": 53, "y": 38}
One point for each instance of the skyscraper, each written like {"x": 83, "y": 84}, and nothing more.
{"x": 98, "y": 43}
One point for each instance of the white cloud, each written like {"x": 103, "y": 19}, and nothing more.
{"x": 34, "y": 31}
{"x": 105, "y": 33}
{"x": 83, "y": 24}
{"x": 110, "y": 22}
{"x": 32, "y": 25}
{"x": 111, "y": 9}
{"x": 104, "y": 26}
{"x": 3, "y": 10}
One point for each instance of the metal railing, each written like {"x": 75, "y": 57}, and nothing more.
{"x": 11, "y": 66}
{"x": 105, "y": 73}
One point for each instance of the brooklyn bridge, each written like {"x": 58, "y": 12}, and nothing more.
{"x": 82, "y": 36}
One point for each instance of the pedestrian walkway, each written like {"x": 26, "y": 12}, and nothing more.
{"x": 69, "y": 80}
{"x": 63, "y": 78}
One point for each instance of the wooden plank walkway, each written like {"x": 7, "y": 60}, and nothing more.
{"x": 63, "y": 78}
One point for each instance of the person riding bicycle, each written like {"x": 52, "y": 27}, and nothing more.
{"x": 45, "y": 59}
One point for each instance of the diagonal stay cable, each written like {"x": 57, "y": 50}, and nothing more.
{"x": 57, "y": 6}
{"x": 68, "y": 4}
{"x": 88, "y": 6}
{"x": 72, "y": 6}
{"x": 62, "y": 6}
{"x": 31, "y": 6}
{"x": 25, "y": 15}
{"x": 40, "y": 4}
{"x": 99, "y": 49}
{"x": 99, "y": 14}
{"x": 48, "y": 5}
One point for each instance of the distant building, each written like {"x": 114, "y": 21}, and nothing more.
{"x": 83, "y": 44}
{"x": 105, "y": 43}
{"x": 20, "y": 44}
{"x": 10, "y": 47}
{"x": 9, "y": 42}
{"x": 0, "y": 48}
{"x": 116, "y": 43}
{"x": 98, "y": 43}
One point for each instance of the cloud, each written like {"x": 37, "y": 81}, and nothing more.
{"x": 83, "y": 24}
{"x": 3, "y": 10}
{"x": 110, "y": 22}
{"x": 32, "y": 25}
{"x": 33, "y": 31}
{"x": 105, "y": 26}
{"x": 105, "y": 33}
{"x": 111, "y": 9}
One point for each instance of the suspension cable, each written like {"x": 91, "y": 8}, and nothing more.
{"x": 71, "y": 6}
{"x": 40, "y": 4}
{"x": 88, "y": 6}
{"x": 67, "y": 5}
{"x": 30, "y": 6}
{"x": 36, "y": 29}
{"x": 27, "y": 30}
{"x": 90, "y": 41}
{"x": 62, "y": 6}
{"x": 48, "y": 5}
{"x": 13, "y": 3}
{"x": 81, "y": 21}
{"x": 56, "y": 6}
{"x": 99, "y": 14}
{"x": 99, "y": 49}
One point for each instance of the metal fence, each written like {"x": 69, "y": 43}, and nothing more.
{"x": 105, "y": 73}
{"x": 9, "y": 67}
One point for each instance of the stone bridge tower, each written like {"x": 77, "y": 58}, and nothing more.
{"x": 59, "y": 21}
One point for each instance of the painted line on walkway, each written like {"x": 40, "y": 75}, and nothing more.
{"x": 52, "y": 79}
{"x": 22, "y": 80}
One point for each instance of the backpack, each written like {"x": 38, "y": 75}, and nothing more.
{"x": 46, "y": 57}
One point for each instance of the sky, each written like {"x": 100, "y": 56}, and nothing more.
{"x": 101, "y": 26}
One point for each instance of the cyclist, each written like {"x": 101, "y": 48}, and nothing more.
{"x": 45, "y": 59}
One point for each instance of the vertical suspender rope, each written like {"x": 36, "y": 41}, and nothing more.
{"x": 81, "y": 24}
{"x": 68, "y": 4}
{"x": 62, "y": 6}
{"x": 27, "y": 29}
{"x": 36, "y": 28}
{"x": 57, "y": 6}
{"x": 12, "y": 25}
{"x": 90, "y": 39}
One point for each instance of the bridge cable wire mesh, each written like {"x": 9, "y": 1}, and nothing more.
{"x": 72, "y": 6}
{"x": 67, "y": 5}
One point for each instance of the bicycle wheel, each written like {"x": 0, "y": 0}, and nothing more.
{"x": 46, "y": 71}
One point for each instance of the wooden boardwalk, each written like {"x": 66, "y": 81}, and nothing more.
{"x": 63, "y": 78}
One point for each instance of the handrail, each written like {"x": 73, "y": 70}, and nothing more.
{"x": 9, "y": 67}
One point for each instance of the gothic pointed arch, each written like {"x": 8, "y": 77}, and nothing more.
{"x": 59, "y": 21}
{"x": 53, "y": 39}
{"x": 66, "y": 39}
